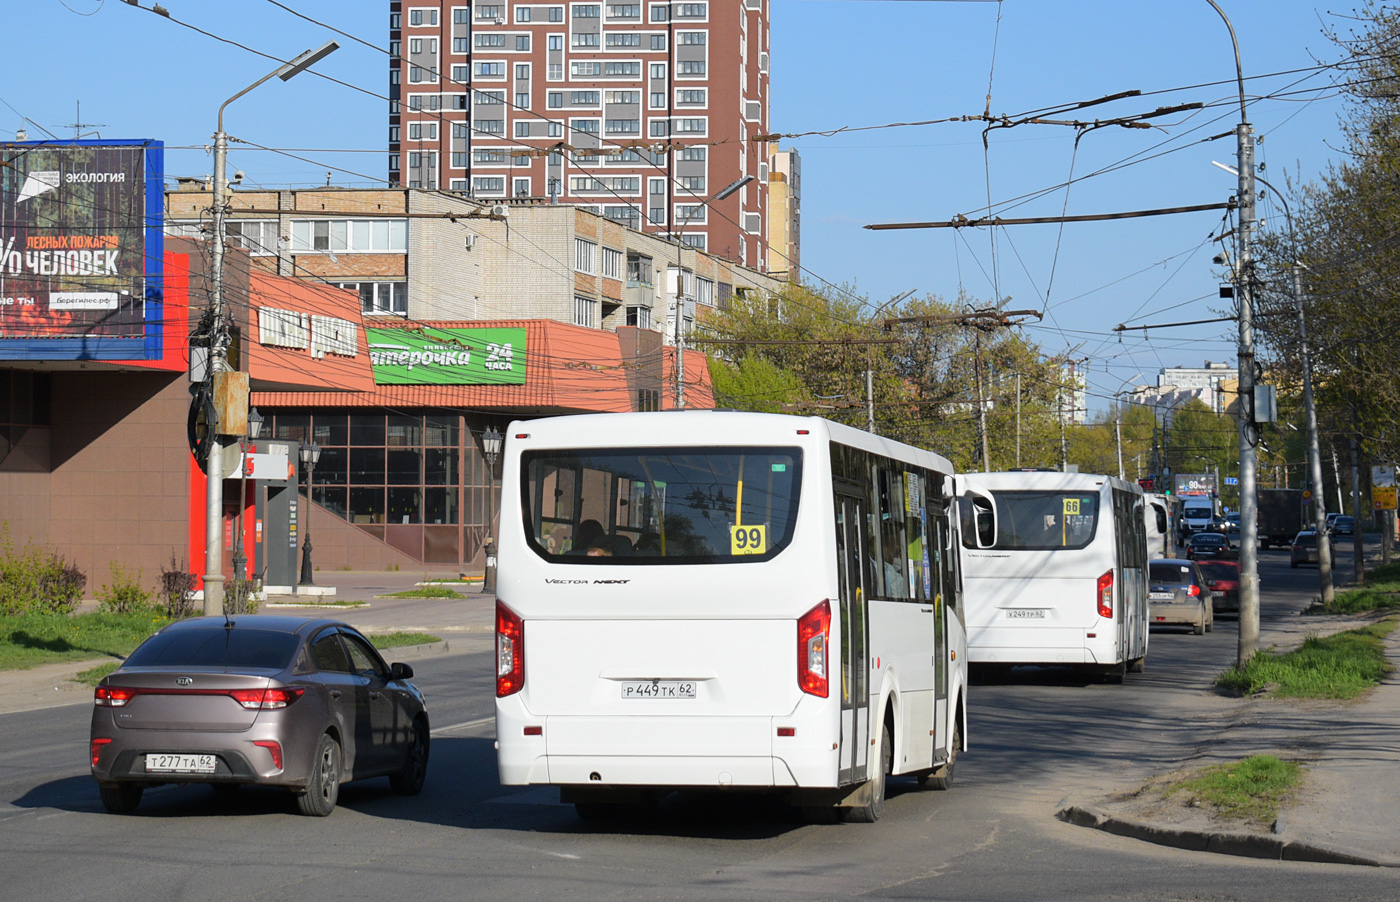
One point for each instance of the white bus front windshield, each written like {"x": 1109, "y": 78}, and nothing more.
{"x": 1039, "y": 521}
{"x": 654, "y": 506}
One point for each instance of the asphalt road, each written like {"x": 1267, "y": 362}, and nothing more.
{"x": 1038, "y": 737}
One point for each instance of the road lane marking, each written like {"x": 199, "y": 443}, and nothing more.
{"x": 464, "y": 725}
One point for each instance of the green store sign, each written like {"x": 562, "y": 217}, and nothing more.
{"x": 447, "y": 356}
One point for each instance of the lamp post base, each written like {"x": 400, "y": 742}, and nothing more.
{"x": 488, "y": 580}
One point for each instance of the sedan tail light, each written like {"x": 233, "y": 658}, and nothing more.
{"x": 813, "y": 640}
{"x": 510, "y": 651}
{"x": 252, "y": 699}
{"x": 112, "y": 696}
{"x": 96, "y": 749}
{"x": 1104, "y": 594}
{"x": 274, "y": 748}
{"x": 1193, "y": 590}
{"x": 267, "y": 699}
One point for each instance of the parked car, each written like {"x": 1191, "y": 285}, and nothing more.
{"x": 1343, "y": 525}
{"x": 1331, "y": 519}
{"x": 277, "y": 701}
{"x": 1210, "y": 545}
{"x": 1304, "y": 548}
{"x": 1232, "y": 525}
{"x": 1223, "y": 582}
{"x": 1177, "y": 594}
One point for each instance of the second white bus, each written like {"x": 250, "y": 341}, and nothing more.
{"x": 723, "y": 600}
{"x": 1066, "y": 582}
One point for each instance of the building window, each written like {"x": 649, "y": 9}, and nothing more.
{"x": 422, "y": 131}
{"x": 520, "y": 159}
{"x": 691, "y": 97}
{"x": 584, "y": 98}
{"x": 522, "y": 14}
{"x": 556, "y": 129}
{"x": 657, "y": 215}
{"x": 692, "y": 67}
{"x": 624, "y": 96}
{"x": 489, "y": 156}
{"x": 692, "y": 38}
{"x": 585, "y": 70}
{"x": 690, "y": 10}
{"x": 522, "y": 129}
{"x": 585, "y": 252}
{"x": 458, "y": 185}
{"x": 658, "y": 71}
{"x": 556, "y": 42}
{"x": 693, "y": 154}
{"x": 705, "y": 292}
{"x": 489, "y": 126}
{"x": 660, "y": 13}
{"x": 394, "y": 134}
{"x": 658, "y": 42}
{"x": 690, "y": 214}
{"x": 556, "y": 14}
{"x": 587, "y": 11}
{"x": 522, "y": 71}
{"x": 459, "y": 160}
{"x": 690, "y": 126}
{"x": 555, "y": 72}
{"x": 623, "y": 69}
{"x": 459, "y": 130}
{"x": 612, "y": 258}
{"x": 586, "y": 39}
{"x": 522, "y": 100}
{"x": 459, "y": 101}
{"x": 695, "y": 184}
{"x": 554, "y": 100}
{"x": 639, "y": 316}
{"x": 490, "y": 40}
{"x": 381, "y": 298}
{"x": 583, "y": 311}
{"x": 638, "y": 270}
{"x": 489, "y": 184}
{"x": 490, "y": 12}
{"x": 461, "y": 16}
{"x": 459, "y": 74}
{"x": 658, "y": 100}
{"x": 624, "y": 39}
{"x": 623, "y": 126}
{"x": 586, "y": 126}
{"x": 659, "y": 128}
{"x": 491, "y": 70}
{"x": 336, "y": 235}
{"x": 624, "y": 11}
{"x": 694, "y": 241}
{"x": 522, "y": 42}
{"x": 460, "y": 46}
{"x": 520, "y": 187}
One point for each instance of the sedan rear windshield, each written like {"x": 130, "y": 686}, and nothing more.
{"x": 1038, "y": 521}
{"x": 1169, "y": 573}
{"x": 1214, "y": 570}
{"x": 250, "y": 648}
{"x": 1208, "y": 538}
{"x": 658, "y": 506}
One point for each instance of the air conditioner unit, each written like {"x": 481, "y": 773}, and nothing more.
{"x": 470, "y": 242}
{"x": 500, "y": 21}
{"x": 500, "y": 210}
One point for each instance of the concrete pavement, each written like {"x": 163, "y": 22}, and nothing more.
{"x": 1347, "y": 812}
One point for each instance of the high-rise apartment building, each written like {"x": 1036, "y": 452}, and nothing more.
{"x": 641, "y": 110}
{"x": 785, "y": 212}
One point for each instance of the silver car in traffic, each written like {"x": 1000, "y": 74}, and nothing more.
{"x": 276, "y": 701}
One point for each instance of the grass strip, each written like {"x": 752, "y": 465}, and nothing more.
{"x": 1379, "y": 592}
{"x": 398, "y": 640}
{"x": 93, "y": 675}
{"x": 1339, "y": 666}
{"x": 29, "y": 640}
{"x": 425, "y": 592}
{"x": 1252, "y": 789}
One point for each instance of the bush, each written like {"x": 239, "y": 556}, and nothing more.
{"x": 177, "y": 589}
{"x": 124, "y": 594}
{"x": 36, "y": 579}
{"x": 239, "y": 597}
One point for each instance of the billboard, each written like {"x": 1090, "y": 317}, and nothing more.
{"x": 81, "y": 244}
{"x": 428, "y": 356}
{"x": 1195, "y": 483}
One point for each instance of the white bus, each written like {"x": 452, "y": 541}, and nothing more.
{"x": 1066, "y": 582}
{"x": 726, "y": 600}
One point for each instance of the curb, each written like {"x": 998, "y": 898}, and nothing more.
{"x": 1246, "y": 845}
{"x": 410, "y": 652}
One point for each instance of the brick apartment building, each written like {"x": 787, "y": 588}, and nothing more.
{"x": 638, "y": 110}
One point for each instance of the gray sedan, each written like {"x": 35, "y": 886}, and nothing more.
{"x": 276, "y": 701}
{"x": 1177, "y": 595}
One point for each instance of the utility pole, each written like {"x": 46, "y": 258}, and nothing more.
{"x": 981, "y": 402}
{"x": 1358, "y": 569}
{"x": 1118, "y": 434}
{"x": 1018, "y": 419}
{"x": 869, "y": 395}
{"x": 1319, "y": 508}
{"x": 1248, "y": 431}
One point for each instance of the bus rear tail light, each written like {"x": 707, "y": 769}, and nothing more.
{"x": 813, "y": 640}
{"x": 1105, "y": 594}
{"x": 510, "y": 651}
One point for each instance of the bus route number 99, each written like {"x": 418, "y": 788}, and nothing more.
{"x": 748, "y": 539}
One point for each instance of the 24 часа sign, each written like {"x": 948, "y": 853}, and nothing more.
{"x": 80, "y": 244}
{"x": 427, "y": 356}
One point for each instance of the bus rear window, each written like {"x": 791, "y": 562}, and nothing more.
{"x": 654, "y": 506}
{"x": 1041, "y": 521}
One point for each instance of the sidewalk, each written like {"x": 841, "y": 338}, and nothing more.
{"x": 1349, "y": 808}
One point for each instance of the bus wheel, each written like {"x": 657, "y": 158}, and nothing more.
{"x": 874, "y": 806}
{"x": 942, "y": 777}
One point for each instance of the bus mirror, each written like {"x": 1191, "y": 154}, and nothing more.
{"x": 979, "y": 518}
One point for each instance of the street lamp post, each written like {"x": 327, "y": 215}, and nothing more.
{"x": 245, "y": 445}
{"x": 680, "y": 281}
{"x": 491, "y": 441}
{"x": 309, "y": 455}
{"x": 214, "y": 470}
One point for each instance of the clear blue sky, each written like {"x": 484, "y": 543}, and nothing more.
{"x": 835, "y": 64}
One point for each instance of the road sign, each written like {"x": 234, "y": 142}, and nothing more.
{"x": 1383, "y": 476}
{"x": 1232, "y": 480}
{"x": 1383, "y": 497}
{"x": 1307, "y": 494}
